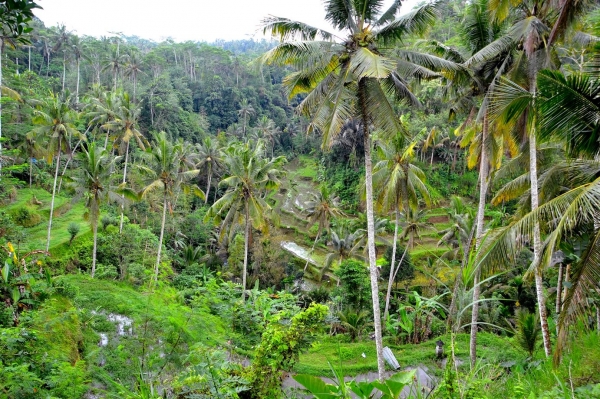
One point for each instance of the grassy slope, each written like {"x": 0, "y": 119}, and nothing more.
{"x": 65, "y": 212}
{"x": 492, "y": 348}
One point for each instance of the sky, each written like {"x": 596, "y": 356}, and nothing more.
{"x": 181, "y": 20}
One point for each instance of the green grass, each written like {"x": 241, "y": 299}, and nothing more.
{"x": 491, "y": 349}
{"x": 65, "y": 212}
{"x": 309, "y": 168}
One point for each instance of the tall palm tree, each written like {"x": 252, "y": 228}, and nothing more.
{"x": 133, "y": 68}
{"x": 78, "y": 49}
{"x": 124, "y": 124}
{"x": 246, "y": 110}
{"x": 536, "y": 26}
{"x": 209, "y": 158}
{"x": 398, "y": 183}
{"x": 248, "y": 177}
{"x": 114, "y": 63}
{"x": 91, "y": 180}
{"x": 167, "y": 174}
{"x": 56, "y": 120}
{"x": 323, "y": 206}
{"x": 32, "y": 146}
{"x": 350, "y": 77}
{"x": 268, "y": 131}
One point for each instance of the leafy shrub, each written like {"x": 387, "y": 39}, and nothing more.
{"x": 73, "y": 230}
{"x": 25, "y": 217}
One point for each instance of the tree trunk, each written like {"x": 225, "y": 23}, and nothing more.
{"x": 393, "y": 264}
{"x": 1, "y": 46}
{"x": 64, "y": 71}
{"x": 53, "y": 194}
{"x": 30, "y": 170}
{"x": 371, "y": 228}
{"x": 312, "y": 250}
{"x": 124, "y": 181}
{"x": 246, "y": 248}
{"x": 77, "y": 86}
{"x": 483, "y": 173}
{"x": 537, "y": 241}
{"x": 559, "y": 284}
{"x": 160, "y": 240}
{"x": 95, "y": 232}
{"x": 208, "y": 185}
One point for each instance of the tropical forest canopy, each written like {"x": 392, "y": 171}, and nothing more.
{"x": 238, "y": 219}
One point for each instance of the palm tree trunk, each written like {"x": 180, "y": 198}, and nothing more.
{"x": 246, "y": 245}
{"x": 160, "y": 240}
{"x": 94, "y": 250}
{"x": 312, "y": 249}
{"x": 483, "y": 174}
{"x": 208, "y": 185}
{"x": 30, "y": 170}
{"x": 393, "y": 264}
{"x": 1, "y": 45}
{"x": 371, "y": 228}
{"x": 537, "y": 240}
{"x": 77, "y": 87}
{"x": 64, "y": 70}
{"x": 53, "y": 194}
{"x": 124, "y": 181}
{"x": 559, "y": 285}
{"x": 67, "y": 164}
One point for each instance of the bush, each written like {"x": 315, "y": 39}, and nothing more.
{"x": 73, "y": 230}
{"x": 25, "y": 217}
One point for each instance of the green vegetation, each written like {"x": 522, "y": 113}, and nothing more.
{"x": 169, "y": 229}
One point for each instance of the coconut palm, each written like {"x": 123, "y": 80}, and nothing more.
{"x": 92, "y": 181}
{"x": 248, "y": 177}
{"x": 166, "y": 173}
{"x": 536, "y": 26}
{"x": 350, "y": 77}
{"x": 246, "y": 110}
{"x": 209, "y": 159}
{"x": 32, "y": 146}
{"x": 398, "y": 183}
{"x": 124, "y": 124}
{"x": 133, "y": 68}
{"x": 268, "y": 131}
{"x": 114, "y": 63}
{"x": 56, "y": 121}
{"x": 345, "y": 246}
{"x": 321, "y": 208}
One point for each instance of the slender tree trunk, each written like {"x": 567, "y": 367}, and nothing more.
{"x": 29, "y": 59}
{"x": 30, "y": 171}
{"x": 483, "y": 174}
{"x": 537, "y": 240}
{"x": 559, "y": 285}
{"x": 95, "y": 232}
{"x": 1, "y": 46}
{"x": 312, "y": 249}
{"x": 64, "y": 71}
{"x": 124, "y": 181}
{"x": 246, "y": 248}
{"x": 66, "y": 166}
{"x": 597, "y": 319}
{"x": 371, "y": 228}
{"x": 53, "y": 194}
{"x": 208, "y": 185}
{"x": 393, "y": 264}
{"x": 77, "y": 86}
{"x": 565, "y": 289}
{"x": 160, "y": 240}
{"x": 134, "y": 84}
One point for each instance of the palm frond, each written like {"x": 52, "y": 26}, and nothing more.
{"x": 286, "y": 29}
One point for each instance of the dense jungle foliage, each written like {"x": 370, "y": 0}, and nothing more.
{"x": 240, "y": 219}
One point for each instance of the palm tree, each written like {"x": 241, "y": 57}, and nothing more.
{"x": 209, "y": 158}
{"x": 125, "y": 125}
{"x": 132, "y": 69}
{"x": 56, "y": 120}
{"x": 268, "y": 131}
{"x": 399, "y": 183}
{"x": 458, "y": 235}
{"x": 114, "y": 63}
{"x": 536, "y": 26}
{"x": 350, "y": 77}
{"x": 249, "y": 176}
{"x": 414, "y": 221}
{"x": 345, "y": 246}
{"x": 246, "y": 110}
{"x": 32, "y": 146}
{"x": 91, "y": 180}
{"x": 323, "y": 206}
{"x": 78, "y": 47}
{"x": 167, "y": 174}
